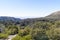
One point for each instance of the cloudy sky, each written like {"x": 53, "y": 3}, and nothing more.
{"x": 28, "y": 8}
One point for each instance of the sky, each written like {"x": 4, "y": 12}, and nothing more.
{"x": 28, "y": 8}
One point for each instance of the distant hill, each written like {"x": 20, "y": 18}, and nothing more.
{"x": 55, "y": 15}
{"x": 50, "y": 18}
{"x": 2, "y": 18}
{"x": 9, "y": 20}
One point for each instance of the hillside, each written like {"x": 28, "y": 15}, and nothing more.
{"x": 9, "y": 20}
{"x": 44, "y": 28}
{"x": 23, "y": 22}
{"x": 55, "y": 15}
{"x": 52, "y": 17}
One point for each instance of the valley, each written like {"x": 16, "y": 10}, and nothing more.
{"x": 44, "y": 28}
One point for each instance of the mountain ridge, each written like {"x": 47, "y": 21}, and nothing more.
{"x": 54, "y": 15}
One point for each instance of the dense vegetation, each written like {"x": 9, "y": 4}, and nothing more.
{"x": 30, "y": 29}
{"x": 40, "y": 31}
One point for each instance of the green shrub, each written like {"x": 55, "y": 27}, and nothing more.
{"x": 3, "y": 36}
{"x": 16, "y": 38}
{"x": 28, "y": 37}
{"x": 24, "y": 32}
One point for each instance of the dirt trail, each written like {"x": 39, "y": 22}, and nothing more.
{"x": 11, "y": 36}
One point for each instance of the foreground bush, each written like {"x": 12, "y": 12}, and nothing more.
{"x": 3, "y": 36}
{"x": 16, "y": 38}
{"x": 28, "y": 37}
